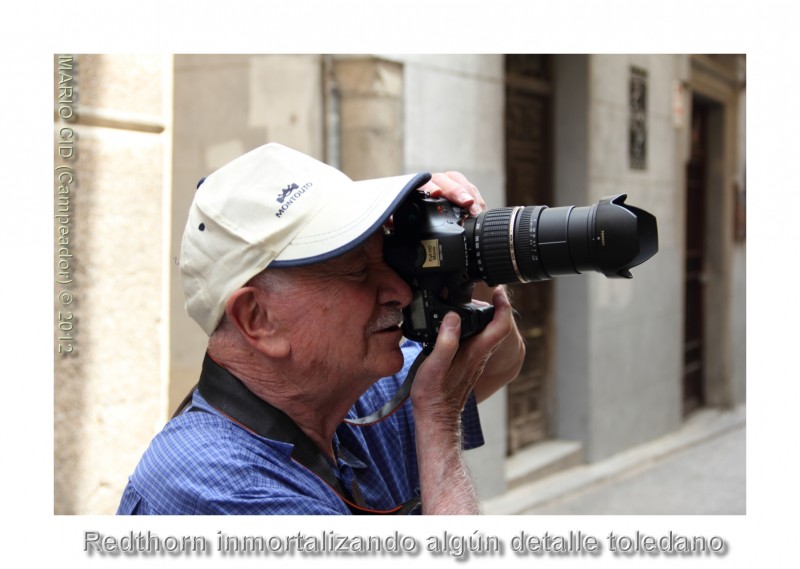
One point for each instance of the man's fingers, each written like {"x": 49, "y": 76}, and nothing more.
{"x": 455, "y": 187}
{"x": 444, "y": 351}
{"x": 498, "y": 329}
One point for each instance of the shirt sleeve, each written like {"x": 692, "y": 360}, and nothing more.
{"x": 471, "y": 431}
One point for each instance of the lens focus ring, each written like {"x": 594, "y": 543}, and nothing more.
{"x": 526, "y": 242}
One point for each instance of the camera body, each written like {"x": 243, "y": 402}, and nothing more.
{"x": 428, "y": 249}
{"x": 441, "y": 252}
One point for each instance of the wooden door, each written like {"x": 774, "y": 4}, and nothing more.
{"x": 528, "y": 171}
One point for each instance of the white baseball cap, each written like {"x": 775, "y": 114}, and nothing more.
{"x": 277, "y": 207}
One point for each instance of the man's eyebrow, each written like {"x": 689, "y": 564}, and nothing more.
{"x": 356, "y": 263}
{"x": 349, "y": 261}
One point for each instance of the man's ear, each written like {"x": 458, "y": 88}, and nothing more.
{"x": 248, "y": 310}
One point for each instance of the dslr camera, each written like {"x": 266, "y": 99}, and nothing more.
{"x": 441, "y": 252}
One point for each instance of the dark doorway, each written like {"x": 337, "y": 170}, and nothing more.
{"x": 694, "y": 289}
{"x": 528, "y": 140}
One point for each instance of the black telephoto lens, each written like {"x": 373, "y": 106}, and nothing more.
{"x": 534, "y": 243}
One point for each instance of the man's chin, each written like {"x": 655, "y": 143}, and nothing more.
{"x": 385, "y": 352}
{"x": 394, "y": 361}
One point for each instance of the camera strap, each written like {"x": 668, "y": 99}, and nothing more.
{"x": 228, "y": 395}
{"x": 398, "y": 398}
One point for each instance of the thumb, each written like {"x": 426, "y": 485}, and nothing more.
{"x": 447, "y": 342}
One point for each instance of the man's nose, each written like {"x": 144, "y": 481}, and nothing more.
{"x": 394, "y": 290}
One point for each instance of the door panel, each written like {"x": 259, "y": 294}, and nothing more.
{"x": 528, "y": 171}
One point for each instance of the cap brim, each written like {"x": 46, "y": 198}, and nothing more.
{"x": 343, "y": 225}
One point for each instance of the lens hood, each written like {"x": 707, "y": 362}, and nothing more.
{"x": 625, "y": 236}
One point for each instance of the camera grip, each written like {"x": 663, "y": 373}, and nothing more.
{"x": 423, "y": 317}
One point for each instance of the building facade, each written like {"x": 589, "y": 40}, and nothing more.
{"x": 611, "y": 363}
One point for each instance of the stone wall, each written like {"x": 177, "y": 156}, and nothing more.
{"x": 109, "y": 391}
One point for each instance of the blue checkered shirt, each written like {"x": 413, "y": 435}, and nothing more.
{"x": 204, "y": 463}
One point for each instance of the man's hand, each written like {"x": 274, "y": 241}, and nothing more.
{"x": 454, "y": 187}
{"x": 441, "y": 387}
{"x": 452, "y": 371}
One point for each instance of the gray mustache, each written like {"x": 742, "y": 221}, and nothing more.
{"x": 385, "y": 320}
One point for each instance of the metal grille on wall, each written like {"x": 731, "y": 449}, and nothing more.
{"x": 637, "y": 100}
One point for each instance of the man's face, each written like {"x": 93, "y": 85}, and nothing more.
{"x": 343, "y": 316}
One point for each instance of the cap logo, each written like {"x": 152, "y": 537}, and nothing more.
{"x": 286, "y": 191}
{"x": 289, "y": 195}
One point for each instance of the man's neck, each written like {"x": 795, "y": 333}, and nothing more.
{"x": 317, "y": 413}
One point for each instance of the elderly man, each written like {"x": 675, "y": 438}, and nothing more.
{"x": 282, "y": 266}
